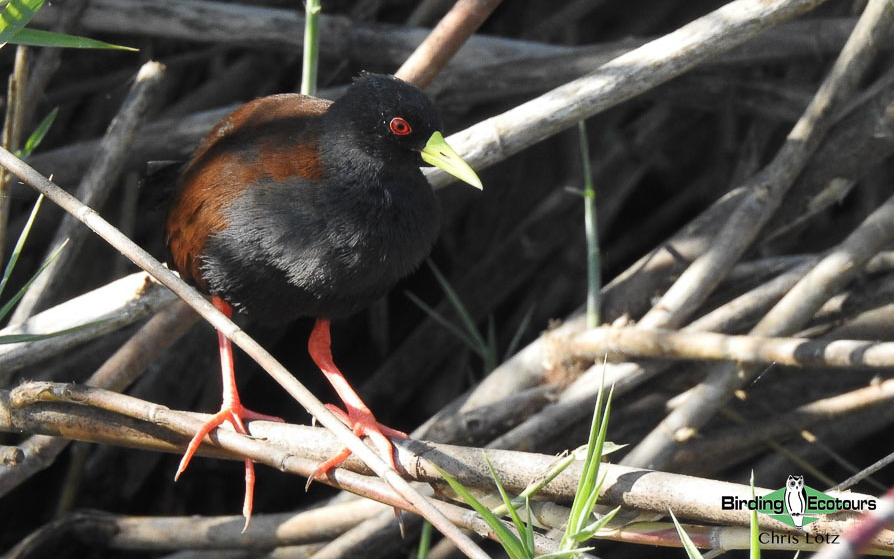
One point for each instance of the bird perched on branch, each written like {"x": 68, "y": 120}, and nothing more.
{"x": 295, "y": 206}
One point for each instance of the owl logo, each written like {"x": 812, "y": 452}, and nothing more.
{"x": 795, "y": 501}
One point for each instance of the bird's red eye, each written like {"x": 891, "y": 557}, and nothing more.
{"x": 400, "y": 126}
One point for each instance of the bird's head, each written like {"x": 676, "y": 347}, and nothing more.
{"x": 396, "y": 123}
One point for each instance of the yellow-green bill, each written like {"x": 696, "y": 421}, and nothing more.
{"x": 438, "y": 153}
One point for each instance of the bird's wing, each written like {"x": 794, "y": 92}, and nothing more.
{"x": 257, "y": 139}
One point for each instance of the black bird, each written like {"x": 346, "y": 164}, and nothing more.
{"x": 296, "y": 206}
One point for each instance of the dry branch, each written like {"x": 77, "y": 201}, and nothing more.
{"x": 621, "y": 343}
{"x": 444, "y": 40}
{"x": 737, "y": 443}
{"x": 624, "y": 77}
{"x": 207, "y": 21}
{"x": 87, "y": 414}
{"x": 658, "y": 447}
{"x": 94, "y": 188}
{"x": 113, "y": 306}
{"x": 117, "y": 373}
{"x": 13, "y": 126}
{"x": 791, "y": 313}
{"x": 498, "y": 137}
{"x": 225, "y": 326}
{"x": 282, "y": 446}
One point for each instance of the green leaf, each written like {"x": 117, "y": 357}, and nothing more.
{"x": 589, "y": 484}
{"x": 691, "y": 549}
{"x": 12, "y": 302}
{"x": 529, "y": 527}
{"x": 755, "y": 545}
{"x": 468, "y": 322}
{"x": 40, "y": 38}
{"x": 14, "y": 257}
{"x": 37, "y": 136}
{"x": 490, "y": 356}
{"x": 19, "y": 338}
{"x": 424, "y": 540}
{"x": 516, "y": 519}
{"x": 15, "y": 15}
{"x": 598, "y": 525}
{"x": 437, "y": 317}
{"x": 522, "y": 328}
{"x": 513, "y": 546}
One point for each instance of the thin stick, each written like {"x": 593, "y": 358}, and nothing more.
{"x": 368, "y": 44}
{"x": 708, "y": 346}
{"x": 95, "y": 187}
{"x": 444, "y": 40}
{"x": 805, "y": 298}
{"x": 12, "y": 130}
{"x": 23, "y": 399}
{"x": 90, "y": 316}
{"x": 279, "y": 373}
{"x": 116, "y": 373}
{"x": 626, "y": 76}
{"x": 636, "y": 488}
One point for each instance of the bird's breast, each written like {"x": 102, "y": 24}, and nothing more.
{"x": 319, "y": 249}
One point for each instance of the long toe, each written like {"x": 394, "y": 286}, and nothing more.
{"x": 363, "y": 424}
{"x": 234, "y": 413}
{"x": 210, "y": 425}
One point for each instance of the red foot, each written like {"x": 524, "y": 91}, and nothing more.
{"x": 358, "y": 417}
{"x": 363, "y": 425}
{"x": 231, "y": 411}
{"x": 234, "y": 414}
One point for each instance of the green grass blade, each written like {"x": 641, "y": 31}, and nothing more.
{"x": 449, "y": 326}
{"x": 40, "y": 38}
{"x": 755, "y": 544}
{"x": 38, "y": 135}
{"x": 507, "y": 501}
{"x": 598, "y": 525}
{"x": 588, "y": 479}
{"x": 309, "y": 67}
{"x": 594, "y": 281}
{"x": 490, "y": 357}
{"x": 589, "y": 483}
{"x": 534, "y": 487}
{"x": 15, "y": 15}
{"x": 19, "y": 338}
{"x": 519, "y": 332}
{"x": 424, "y": 540}
{"x": 691, "y": 550}
{"x": 14, "y": 257}
{"x": 12, "y": 302}
{"x": 529, "y": 527}
{"x": 461, "y": 310}
{"x": 510, "y": 541}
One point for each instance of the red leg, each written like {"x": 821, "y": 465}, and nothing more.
{"x": 359, "y": 418}
{"x": 231, "y": 410}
